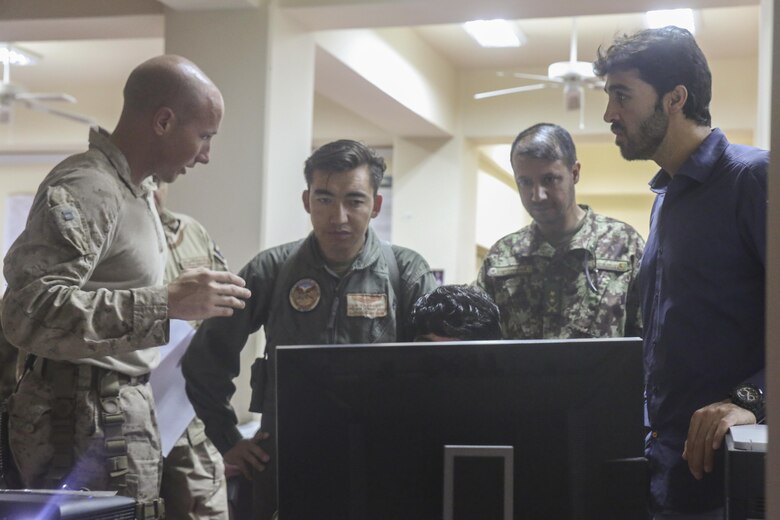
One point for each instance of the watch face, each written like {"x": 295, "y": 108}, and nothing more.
{"x": 748, "y": 395}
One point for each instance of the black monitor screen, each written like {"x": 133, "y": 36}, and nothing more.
{"x": 362, "y": 429}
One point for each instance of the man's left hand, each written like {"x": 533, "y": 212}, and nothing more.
{"x": 706, "y": 432}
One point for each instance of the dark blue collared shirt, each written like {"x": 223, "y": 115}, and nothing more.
{"x": 702, "y": 289}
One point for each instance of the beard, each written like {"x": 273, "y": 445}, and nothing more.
{"x": 651, "y": 133}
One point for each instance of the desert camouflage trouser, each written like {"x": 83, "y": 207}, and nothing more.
{"x": 43, "y": 424}
{"x": 193, "y": 481}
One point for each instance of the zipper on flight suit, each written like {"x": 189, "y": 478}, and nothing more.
{"x": 334, "y": 307}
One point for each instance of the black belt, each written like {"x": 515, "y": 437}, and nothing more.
{"x": 44, "y": 365}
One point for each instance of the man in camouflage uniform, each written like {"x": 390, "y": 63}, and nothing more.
{"x": 571, "y": 272}
{"x": 86, "y": 302}
{"x": 193, "y": 478}
{"x": 341, "y": 284}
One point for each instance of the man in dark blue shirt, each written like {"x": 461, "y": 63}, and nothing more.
{"x": 703, "y": 270}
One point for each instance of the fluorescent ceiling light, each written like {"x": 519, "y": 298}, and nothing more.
{"x": 677, "y": 17}
{"x": 495, "y": 33}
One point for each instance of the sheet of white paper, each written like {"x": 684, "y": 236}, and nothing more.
{"x": 174, "y": 410}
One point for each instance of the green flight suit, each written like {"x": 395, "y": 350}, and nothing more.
{"x": 299, "y": 301}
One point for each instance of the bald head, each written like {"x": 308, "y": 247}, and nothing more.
{"x": 168, "y": 81}
{"x": 171, "y": 112}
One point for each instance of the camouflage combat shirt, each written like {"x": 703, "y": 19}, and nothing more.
{"x": 85, "y": 276}
{"x": 189, "y": 246}
{"x": 584, "y": 288}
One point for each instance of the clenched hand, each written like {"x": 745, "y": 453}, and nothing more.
{"x": 248, "y": 454}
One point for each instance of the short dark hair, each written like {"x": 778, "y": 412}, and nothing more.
{"x": 343, "y": 156}
{"x": 456, "y": 311}
{"x": 545, "y": 141}
{"x": 664, "y": 58}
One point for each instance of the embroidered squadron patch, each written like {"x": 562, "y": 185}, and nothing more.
{"x": 305, "y": 295}
{"x": 366, "y": 305}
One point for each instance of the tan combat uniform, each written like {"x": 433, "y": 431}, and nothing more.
{"x": 85, "y": 296}
{"x": 193, "y": 482}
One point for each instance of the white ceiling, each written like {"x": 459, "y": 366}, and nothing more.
{"x": 97, "y": 51}
{"x": 725, "y": 32}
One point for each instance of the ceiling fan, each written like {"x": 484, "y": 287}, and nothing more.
{"x": 13, "y": 93}
{"x": 573, "y": 76}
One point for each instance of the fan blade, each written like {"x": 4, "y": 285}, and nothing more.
{"x": 513, "y": 90}
{"x": 34, "y": 105}
{"x": 535, "y": 77}
{"x": 45, "y": 96}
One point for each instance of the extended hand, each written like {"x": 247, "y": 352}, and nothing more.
{"x": 706, "y": 432}
{"x": 200, "y": 293}
{"x": 247, "y": 454}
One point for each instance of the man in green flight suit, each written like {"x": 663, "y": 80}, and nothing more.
{"x": 571, "y": 272}
{"x": 341, "y": 284}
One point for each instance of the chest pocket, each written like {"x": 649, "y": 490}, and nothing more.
{"x": 602, "y": 312}
{"x": 509, "y": 274}
{"x": 192, "y": 263}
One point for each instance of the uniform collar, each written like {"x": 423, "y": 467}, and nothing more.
{"x": 583, "y": 239}
{"x": 100, "y": 140}
{"x": 367, "y": 256}
{"x": 169, "y": 220}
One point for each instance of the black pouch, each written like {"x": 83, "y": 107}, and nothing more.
{"x": 9, "y": 475}
{"x": 258, "y": 381}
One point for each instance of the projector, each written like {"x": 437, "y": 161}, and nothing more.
{"x": 31, "y": 504}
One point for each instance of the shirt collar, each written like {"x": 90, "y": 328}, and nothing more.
{"x": 583, "y": 239}
{"x": 169, "y": 220}
{"x": 699, "y": 166}
{"x": 100, "y": 139}
{"x": 366, "y": 257}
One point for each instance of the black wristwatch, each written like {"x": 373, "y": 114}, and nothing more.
{"x": 751, "y": 398}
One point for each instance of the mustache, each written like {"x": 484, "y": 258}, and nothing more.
{"x": 617, "y": 127}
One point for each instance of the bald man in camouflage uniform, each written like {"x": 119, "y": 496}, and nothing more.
{"x": 571, "y": 272}
{"x": 86, "y": 304}
{"x": 193, "y": 479}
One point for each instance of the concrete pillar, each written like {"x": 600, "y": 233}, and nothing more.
{"x": 434, "y": 213}
{"x": 764, "y": 109}
{"x": 249, "y": 195}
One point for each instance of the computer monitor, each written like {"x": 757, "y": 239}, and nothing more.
{"x": 362, "y": 429}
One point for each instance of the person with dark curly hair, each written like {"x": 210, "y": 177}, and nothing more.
{"x": 455, "y": 313}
